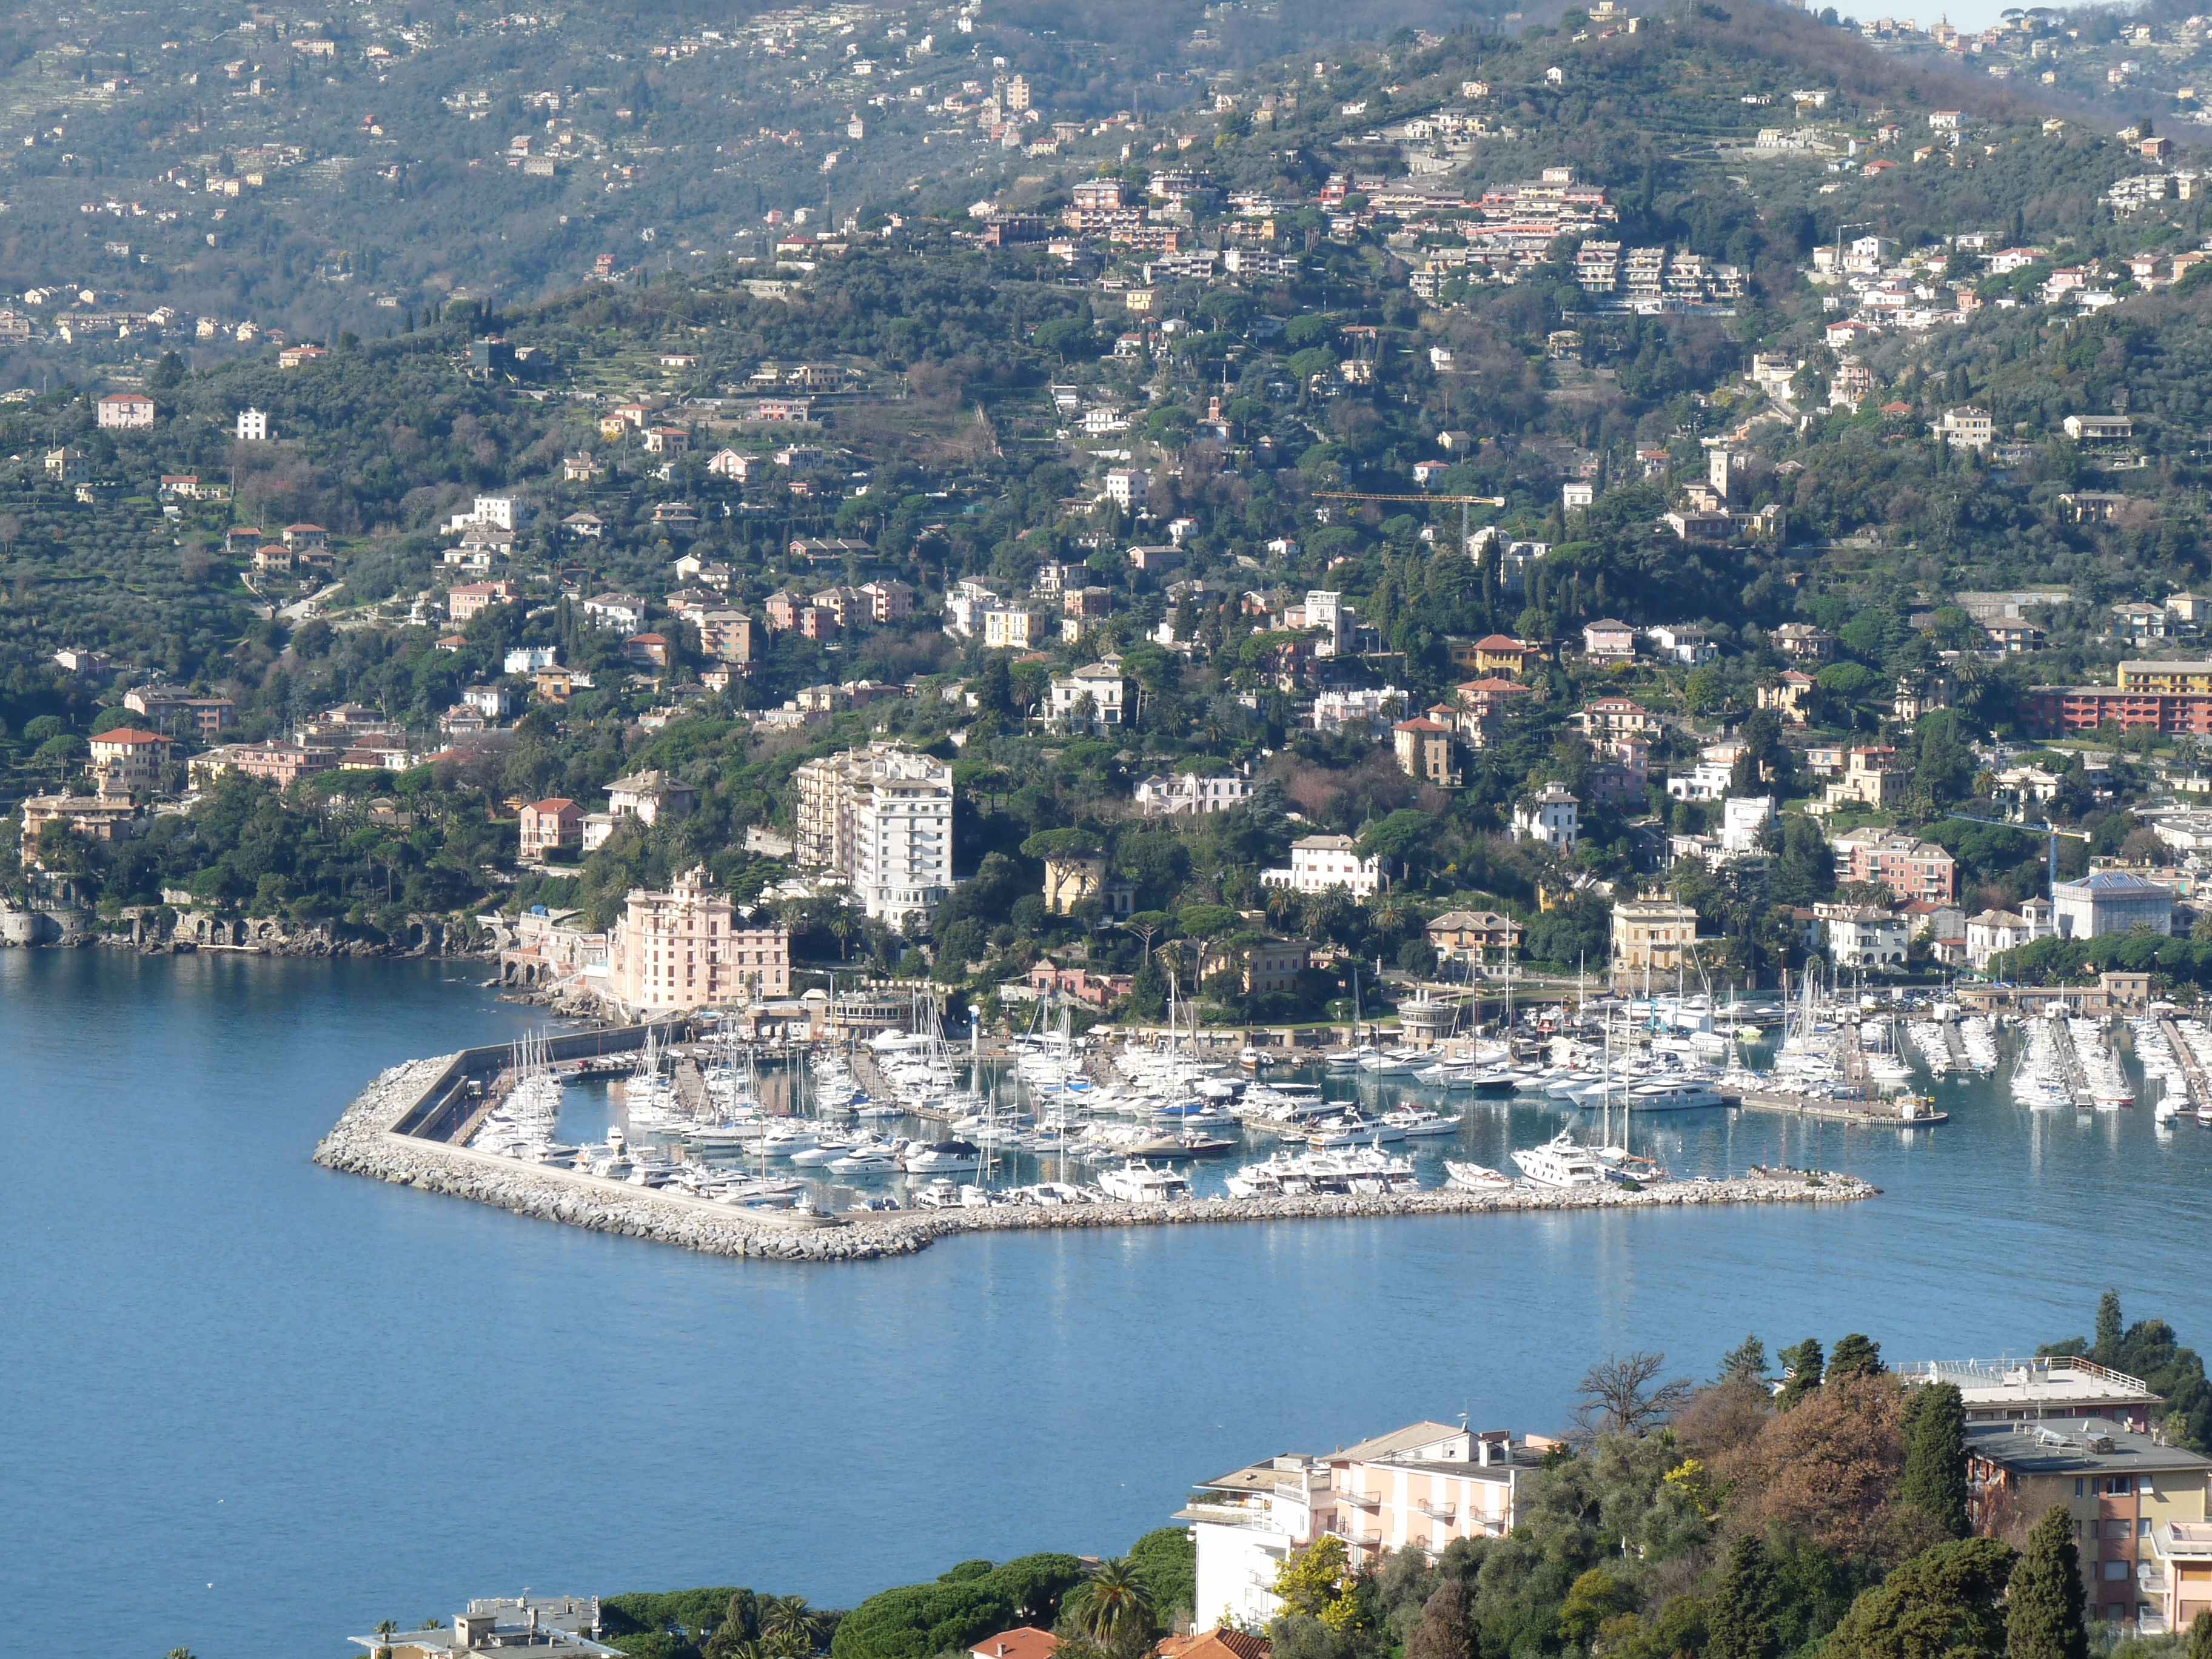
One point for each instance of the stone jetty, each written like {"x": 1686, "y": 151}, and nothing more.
{"x": 364, "y": 1141}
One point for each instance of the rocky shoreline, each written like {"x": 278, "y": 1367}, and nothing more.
{"x": 362, "y": 1142}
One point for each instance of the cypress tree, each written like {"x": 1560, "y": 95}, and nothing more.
{"x": 1803, "y": 1365}
{"x": 2045, "y": 1602}
{"x": 1935, "y": 1479}
{"x": 2200, "y": 1638}
{"x": 1746, "y": 1363}
{"x": 2108, "y": 1327}
{"x": 1739, "y": 1619}
{"x": 1855, "y": 1356}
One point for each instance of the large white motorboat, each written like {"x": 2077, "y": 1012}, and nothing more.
{"x": 1561, "y": 1162}
{"x": 1420, "y": 1123}
{"x": 1139, "y": 1182}
{"x": 1670, "y": 1095}
{"x": 936, "y": 1157}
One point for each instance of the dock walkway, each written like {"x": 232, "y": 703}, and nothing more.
{"x": 2192, "y": 1073}
{"x": 1834, "y": 1111}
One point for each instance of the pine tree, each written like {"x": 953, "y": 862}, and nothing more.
{"x": 1855, "y": 1356}
{"x": 2044, "y": 1601}
{"x": 1802, "y": 1365}
{"x": 1739, "y": 1618}
{"x": 1934, "y": 1478}
{"x": 2108, "y": 1327}
{"x": 1746, "y": 1363}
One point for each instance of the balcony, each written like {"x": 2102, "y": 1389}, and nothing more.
{"x": 1446, "y": 1512}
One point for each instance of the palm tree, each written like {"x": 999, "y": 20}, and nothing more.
{"x": 385, "y": 1633}
{"x": 789, "y": 1616}
{"x": 1114, "y": 1603}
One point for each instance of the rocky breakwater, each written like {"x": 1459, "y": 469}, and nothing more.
{"x": 365, "y": 1141}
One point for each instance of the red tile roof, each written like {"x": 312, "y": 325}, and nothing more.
{"x": 1023, "y": 1642}
{"x": 130, "y": 736}
{"x": 1216, "y": 1644}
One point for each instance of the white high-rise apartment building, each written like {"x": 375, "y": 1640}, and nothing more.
{"x": 881, "y": 818}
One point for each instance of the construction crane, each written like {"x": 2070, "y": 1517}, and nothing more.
{"x": 1464, "y": 502}
{"x": 2050, "y": 832}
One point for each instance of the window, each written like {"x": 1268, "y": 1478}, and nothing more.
{"x": 2077, "y": 1488}
{"x": 2118, "y": 1485}
{"x": 2116, "y": 1570}
{"x": 2143, "y": 1526}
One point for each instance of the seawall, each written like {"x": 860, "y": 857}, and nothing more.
{"x": 367, "y": 1140}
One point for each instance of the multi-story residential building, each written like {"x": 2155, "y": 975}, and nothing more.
{"x": 687, "y": 948}
{"x": 1479, "y": 938}
{"x": 650, "y": 796}
{"x": 174, "y": 712}
{"x": 281, "y": 763}
{"x": 1608, "y": 640}
{"x": 1421, "y": 1488}
{"x": 1992, "y": 932}
{"x": 1091, "y": 698}
{"x": 725, "y": 634}
{"x": 881, "y": 818}
{"x": 1911, "y": 869}
{"x": 625, "y": 612}
{"x": 1744, "y": 822}
{"x": 1865, "y": 936}
{"x": 105, "y": 815}
{"x": 1128, "y": 488}
{"x": 129, "y": 761}
{"x": 2137, "y": 1508}
{"x": 252, "y": 426}
{"x": 1804, "y": 642}
{"x": 1188, "y": 794}
{"x": 465, "y": 601}
{"x": 1966, "y": 426}
{"x": 2108, "y": 901}
{"x": 1551, "y": 816}
{"x": 1262, "y": 966}
{"x": 2159, "y": 675}
{"x": 550, "y": 825}
{"x": 1319, "y": 863}
{"x": 1013, "y": 627}
{"x": 1617, "y": 717}
{"x": 125, "y": 411}
{"x": 1652, "y": 935}
{"x": 1424, "y": 748}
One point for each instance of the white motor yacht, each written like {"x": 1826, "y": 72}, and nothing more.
{"x": 1139, "y": 1182}
{"x": 936, "y": 1157}
{"x": 1561, "y": 1162}
{"x": 1420, "y": 1123}
{"x": 1673, "y": 1095}
{"x": 869, "y": 1158}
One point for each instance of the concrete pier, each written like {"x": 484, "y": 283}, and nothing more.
{"x": 379, "y": 1135}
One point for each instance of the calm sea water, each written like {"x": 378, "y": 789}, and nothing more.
{"x": 252, "y": 1407}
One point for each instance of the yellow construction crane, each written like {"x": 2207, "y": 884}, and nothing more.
{"x": 1464, "y": 502}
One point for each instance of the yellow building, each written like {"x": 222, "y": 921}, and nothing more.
{"x": 2138, "y": 1510}
{"x": 2165, "y": 676}
{"x": 1653, "y": 934}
